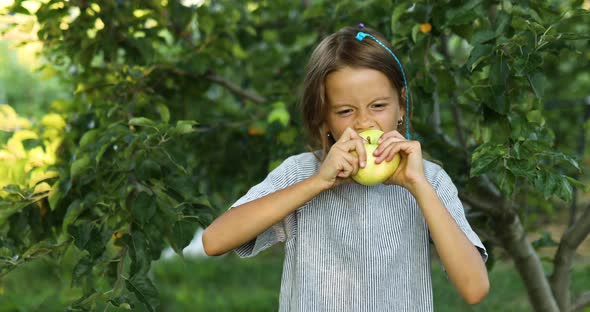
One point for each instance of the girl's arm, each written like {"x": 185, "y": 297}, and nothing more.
{"x": 461, "y": 259}
{"x": 243, "y": 223}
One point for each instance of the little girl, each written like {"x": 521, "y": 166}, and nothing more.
{"x": 350, "y": 247}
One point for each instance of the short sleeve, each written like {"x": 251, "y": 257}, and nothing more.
{"x": 281, "y": 177}
{"x": 447, "y": 192}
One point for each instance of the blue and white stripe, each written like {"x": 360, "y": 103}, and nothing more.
{"x": 354, "y": 247}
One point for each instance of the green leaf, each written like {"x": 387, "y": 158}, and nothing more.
{"x": 550, "y": 184}
{"x": 138, "y": 252}
{"x": 89, "y": 237}
{"x": 82, "y": 269}
{"x": 478, "y": 54}
{"x": 9, "y": 208}
{"x": 79, "y": 165}
{"x": 142, "y": 122}
{"x": 279, "y": 113}
{"x": 484, "y": 36}
{"x": 54, "y": 196}
{"x": 13, "y": 189}
{"x": 87, "y": 302}
{"x": 143, "y": 207}
{"x": 182, "y": 234}
{"x": 544, "y": 241}
{"x": 559, "y": 156}
{"x": 395, "y": 15}
{"x": 564, "y": 188}
{"x": 144, "y": 290}
{"x": 485, "y": 157}
{"x": 463, "y": 14}
{"x": 148, "y": 169}
{"x": 415, "y": 32}
{"x": 522, "y": 167}
{"x": 88, "y": 138}
{"x": 72, "y": 213}
{"x": 506, "y": 182}
{"x": 538, "y": 82}
{"x": 536, "y": 116}
{"x": 503, "y": 21}
{"x": 578, "y": 184}
{"x": 239, "y": 52}
{"x": 121, "y": 302}
{"x": 164, "y": 112}
{"x": 186, "y": 126}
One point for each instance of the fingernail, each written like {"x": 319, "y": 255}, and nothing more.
{"x": 363, "y": 164}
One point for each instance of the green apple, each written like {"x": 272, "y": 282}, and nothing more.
{"x": 375, "y": 173}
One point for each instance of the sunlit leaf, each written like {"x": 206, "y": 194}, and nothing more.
{"x": 141, "y": 121}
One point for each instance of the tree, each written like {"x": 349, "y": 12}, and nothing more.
{"x": 480, "y": 75}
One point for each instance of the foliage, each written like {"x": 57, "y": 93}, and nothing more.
{"x": 30, "y": 93}
{"x": 132, "y": 170}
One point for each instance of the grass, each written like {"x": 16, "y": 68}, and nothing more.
{"x": 229, "y": 283}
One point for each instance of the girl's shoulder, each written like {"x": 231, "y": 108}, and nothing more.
{"x": 303, "y": 164}
{"x": 436, "y": 174}
{"x": 431, "y": 168}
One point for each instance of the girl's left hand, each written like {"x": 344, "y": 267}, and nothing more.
{"x": 410, "y": 171}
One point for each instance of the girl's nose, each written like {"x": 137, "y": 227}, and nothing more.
{"x": 364, "y": 121}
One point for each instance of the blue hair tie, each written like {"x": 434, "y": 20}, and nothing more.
{"x": 360, "y": 36}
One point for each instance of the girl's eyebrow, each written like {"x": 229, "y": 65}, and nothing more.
{"x": 379, "y": 98}
{"x": 341, "y": 105}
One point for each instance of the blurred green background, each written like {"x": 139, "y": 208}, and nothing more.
{"x": 488, "y": 78}
{"x": 198, "y": 282}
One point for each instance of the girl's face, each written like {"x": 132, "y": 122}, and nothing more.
{"x": 362, "y": 99}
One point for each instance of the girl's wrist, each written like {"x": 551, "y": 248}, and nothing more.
{"x": 419, "y": 186}
{"x": 320, "y": 184}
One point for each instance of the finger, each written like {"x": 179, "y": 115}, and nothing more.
{"x": 348, "y": 135}
{"x": 345, "y": 170}
{"x": 390, "y": 134}
{"x": 344, "y": 162}
{"x": 391, "y": 140}
{"x": 387, "y": 155}
{"x": 353, "y": 161}
{"x": 406, "y": 148}
{"x": 361, "y": 152}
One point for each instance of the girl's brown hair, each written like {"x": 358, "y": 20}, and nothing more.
{"x": 339, "y": 50}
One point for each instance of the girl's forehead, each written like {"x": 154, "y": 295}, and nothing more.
{"x": 361, "y": 84}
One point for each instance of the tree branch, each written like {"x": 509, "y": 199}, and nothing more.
{"x": 212, "y": 76}
{"x": 582, "y": 301}
{"x": 514, "y": 239}
{"x": 232, "y": 87}
{"x": 571, "y": 240}
{"x": 479, "y": 203}
{"x": 579, "y": 152}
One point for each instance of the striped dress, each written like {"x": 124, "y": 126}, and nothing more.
{"x": 354, "y": 247}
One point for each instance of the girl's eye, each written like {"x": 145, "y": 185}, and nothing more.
{"x": 344, "y": 112}
{"x": 379, "y": 105}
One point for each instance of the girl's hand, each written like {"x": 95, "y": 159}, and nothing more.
{"x": 410, "y": 171}
{"x": 340, "y": 164}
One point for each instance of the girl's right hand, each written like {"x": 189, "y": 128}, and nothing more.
{"x": 340, "y": 164}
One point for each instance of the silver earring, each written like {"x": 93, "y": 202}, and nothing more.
{"x": 400, "y": 122}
